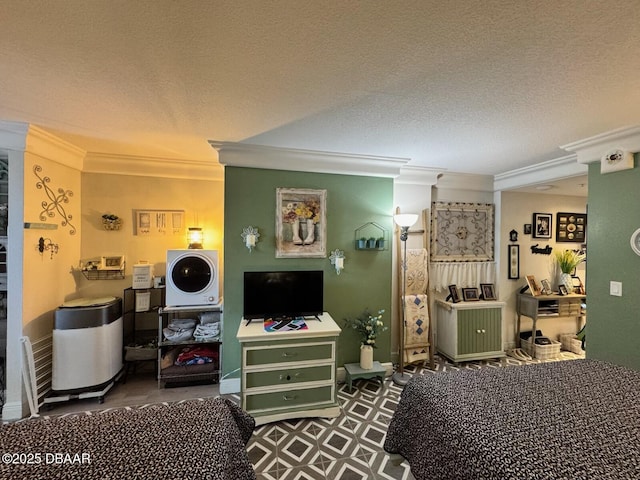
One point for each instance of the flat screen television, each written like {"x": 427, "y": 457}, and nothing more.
{"x": 283, "y": 294}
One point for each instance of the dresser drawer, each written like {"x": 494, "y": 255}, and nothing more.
{"x": 288, "y": 399}
{"x": 288, "y": 353}
{"x": 289, "y": 376}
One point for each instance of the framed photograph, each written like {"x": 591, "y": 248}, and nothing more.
{"x": 454, "y": 295}
{"x": 488, "y": 291}
{"x": 578, "y": 286}
{"x": 533, "y": 286}
{"x": 513, "y": 259}
{"x": 159, "y": 222}
{"x": 563, "y": 290}
{"x": 114, "y": 262}
{"x": 546, "y": 287}
{"x": 470, "y": 294}
{"x": 541, "y": 225}
{"x": 571, "y": 227}
{"x": 527, "y": 229}
{"x": 301, "y": 226}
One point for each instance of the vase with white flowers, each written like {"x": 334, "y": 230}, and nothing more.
{"x": 567, "y": 261}
{"x": 368, "y": 327}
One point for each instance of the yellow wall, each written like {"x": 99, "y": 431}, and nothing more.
{"x": 47, "y": 280}
{"x": 201, "y": 200}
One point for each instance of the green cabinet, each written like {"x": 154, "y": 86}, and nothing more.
{"x": 289, "y": 374}
{"x": 470, "y": 330}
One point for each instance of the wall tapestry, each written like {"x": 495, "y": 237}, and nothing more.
{"x": 56, "y": 201}
{"x": 301, "y": 226}
{"x": 462, "y": 232}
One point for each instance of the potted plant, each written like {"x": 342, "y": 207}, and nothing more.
{"x": 567, "y": 261}
{"x": 368, "y": 327}
{"x": 362, "y": 243}
{"x": 371, "y": 243}
{"x": 380, "y": 243}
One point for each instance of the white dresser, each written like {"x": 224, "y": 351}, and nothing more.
{"x": 289, "y": 374}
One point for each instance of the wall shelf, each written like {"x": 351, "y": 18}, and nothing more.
{"x": 97, "y": 274}
{"x": 371, "y": 236}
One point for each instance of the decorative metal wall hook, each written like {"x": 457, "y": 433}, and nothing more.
{"x": 56, "y": 201}
{"x": 48, "y": 245}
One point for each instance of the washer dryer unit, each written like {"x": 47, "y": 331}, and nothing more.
{"x": 192, "y": 278}
{"x": 87, "y": 346}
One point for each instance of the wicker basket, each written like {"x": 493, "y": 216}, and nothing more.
{"x": 570, "y": 343}
{"x": 543, "y": 352}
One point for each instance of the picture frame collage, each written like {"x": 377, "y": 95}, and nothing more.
{"x": 570, "y": 227}
{"x": 472, "y": 294}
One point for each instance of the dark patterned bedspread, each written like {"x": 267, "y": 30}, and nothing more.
{"x": 562, "y": 420}
{"x": 203, "y": 439}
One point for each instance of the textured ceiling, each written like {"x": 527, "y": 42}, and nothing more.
{"x": 468, "y": 86}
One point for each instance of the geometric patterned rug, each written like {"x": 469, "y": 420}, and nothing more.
{"x": 349, "y": 447}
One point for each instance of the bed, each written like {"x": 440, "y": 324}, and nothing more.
{"x": 569, "y": 420}
{"x": 203, "y": 438}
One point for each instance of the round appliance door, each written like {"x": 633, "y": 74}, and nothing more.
{"x": 192, "y": 274}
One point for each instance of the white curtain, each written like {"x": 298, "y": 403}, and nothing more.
{"x": 462, "y": 274}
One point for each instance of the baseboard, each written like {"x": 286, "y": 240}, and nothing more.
{"x": 11, "y": 411}
{"x": 230, "y": 385}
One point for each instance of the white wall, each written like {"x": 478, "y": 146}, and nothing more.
{"x": 516, "y": 210}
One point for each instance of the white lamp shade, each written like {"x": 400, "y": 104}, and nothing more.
{"x": 405, "y": 219}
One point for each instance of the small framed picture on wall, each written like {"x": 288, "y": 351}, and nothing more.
{"x": 541, "y": 227}
{"x": 513, "y": 257}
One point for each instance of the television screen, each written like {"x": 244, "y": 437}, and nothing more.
{"x": 283, "y": 294}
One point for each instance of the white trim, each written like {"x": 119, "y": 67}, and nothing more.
{"x": 229, "y": 385}
{"x": 117, "y": 164}
{"x": 44, "y": 144}
{"x": 410, "y": 175}
{"x": 11, "y": 411}
{"x": 465, "y": 181}
{"x": 592, "y": 149}
{"x": 558, "y": 168}
{"x": 274, "y": 158}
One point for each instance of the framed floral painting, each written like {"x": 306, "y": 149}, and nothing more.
{"x": 301, "y": 225}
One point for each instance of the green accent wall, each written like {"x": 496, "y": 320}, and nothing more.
{"x": 365, "y": 282}
{"x": 613, "y": 323}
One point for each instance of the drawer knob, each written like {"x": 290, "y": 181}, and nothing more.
{"x": 287, "y": 398}
{"x": 287, "y": 354}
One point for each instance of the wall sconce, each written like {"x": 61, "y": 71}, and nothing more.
{"x": 194, "y": 236}
{"x": 337, "y": 260}
{"x": 250, "y": 237}
{"x": 48, "y": 245}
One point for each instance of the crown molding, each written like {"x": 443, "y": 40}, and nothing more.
{"x": 13, "y": 135}
{"x": 415, "y": 175}
{"x": 558, "y": 168}
{"x": 465, "y": 181}
{"x": 26, "y": 138}
{"x": 46, "y": 145}
{"x": 592, "y": 149}
{"x": 117, "y": 164}
{"x": 275, "y": 158}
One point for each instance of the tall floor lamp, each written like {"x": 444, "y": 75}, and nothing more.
{"x": 404, "y": 221}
